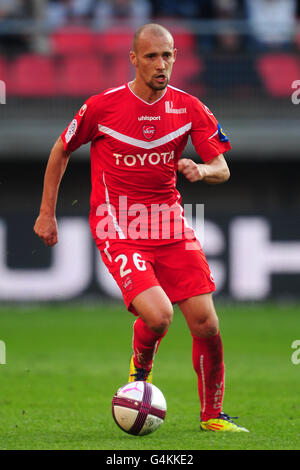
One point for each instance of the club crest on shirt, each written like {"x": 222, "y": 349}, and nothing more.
{"x": 148, "y": 131}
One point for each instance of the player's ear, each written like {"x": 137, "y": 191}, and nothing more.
{"x": 174, "y": 54}
{"x": 132, "y": 56}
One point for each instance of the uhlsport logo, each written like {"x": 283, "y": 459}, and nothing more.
{"x": 149, "y": 118}
{"x": 148, "y": 131}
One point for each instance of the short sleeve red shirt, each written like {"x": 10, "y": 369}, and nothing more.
{"x": 135, "y": 148}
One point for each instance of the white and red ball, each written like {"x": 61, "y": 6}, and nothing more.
{"x": 139, "y": 408}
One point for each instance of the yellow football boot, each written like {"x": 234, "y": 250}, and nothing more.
{"x": 136, "y": 373}
{"x": 222, "y": 423}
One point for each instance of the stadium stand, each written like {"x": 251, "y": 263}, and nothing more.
{"x": 32, "y": 75}
{"x": 81, "y": 75}
{"x": 72, "y": 40}
{"x": 114, "y": 41}
{"x": 278, "y": 71}
{"x": 3, "y": 69}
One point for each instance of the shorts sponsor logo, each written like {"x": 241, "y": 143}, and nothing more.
{"x": 71, "y": 130}
{"x": 148, "y": 131}
{"x": 127, "y": 283}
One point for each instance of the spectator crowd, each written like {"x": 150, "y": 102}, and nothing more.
{"x": 264, "y": 16}
{"x": 35, "y": 41}
{"x": 258, "y": 24}
{"x": 270, "y": 22}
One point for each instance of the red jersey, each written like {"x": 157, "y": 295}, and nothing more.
{"x": 135, "y": 148}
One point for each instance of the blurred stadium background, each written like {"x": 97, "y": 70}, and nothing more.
{"x": 240, "y": 57}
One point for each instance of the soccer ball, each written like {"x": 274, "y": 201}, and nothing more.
{"x": 139, "y": 408}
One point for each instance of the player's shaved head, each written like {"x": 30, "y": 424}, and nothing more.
{"x": 148, "y": 30}
{"x": 153, "y": 56}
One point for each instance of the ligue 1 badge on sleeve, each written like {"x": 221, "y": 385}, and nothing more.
{"x": 71, "y": 130}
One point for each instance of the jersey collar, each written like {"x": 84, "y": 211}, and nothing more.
{"x": 145, "y": 102}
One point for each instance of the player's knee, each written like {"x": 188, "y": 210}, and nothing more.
{"x": 160, "y": 322}
{"x": 210, "y": 328}
{"x": 206, "y": 326}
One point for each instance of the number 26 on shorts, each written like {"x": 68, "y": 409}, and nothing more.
{"x": 138, "y": 261}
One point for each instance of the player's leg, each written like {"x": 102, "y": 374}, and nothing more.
{"x": 207, "y": 352}
{"x": 184, "y": 274}
{"x": 155, "y": 315}
{"x": 202, "y": 320}
{"x": 143, "y": 296}
{"x": 154, "y": 308}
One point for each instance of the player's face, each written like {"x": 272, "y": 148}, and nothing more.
{"x": 154, "y": 59}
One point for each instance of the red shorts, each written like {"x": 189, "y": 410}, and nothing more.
{"x": 180, "y": 268}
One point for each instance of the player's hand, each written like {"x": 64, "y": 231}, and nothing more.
{"x": 191, "y": 170}
{"x": 46, "y": 228}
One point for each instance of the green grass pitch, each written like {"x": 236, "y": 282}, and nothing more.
{"x": 64, "y": 362}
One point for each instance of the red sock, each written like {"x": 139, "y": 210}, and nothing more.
{"x": 209, "y": 366}
{"x": 145, "y": 344}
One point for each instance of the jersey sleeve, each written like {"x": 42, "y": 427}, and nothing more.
{"x": 207, "y": 135}
{"x": 83, "y": 128}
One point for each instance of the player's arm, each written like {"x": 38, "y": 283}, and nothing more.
{"x": 215, "y": 171}
{"x": 46, "y": 226}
